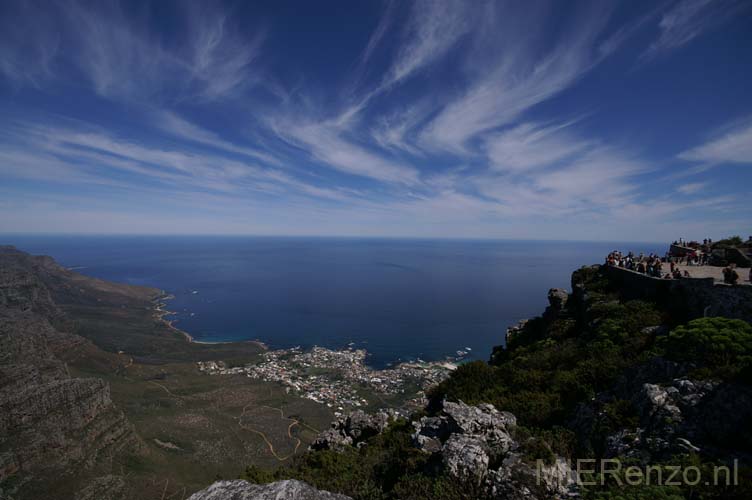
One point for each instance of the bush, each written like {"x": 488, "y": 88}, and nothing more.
{"x": 723, "y": 345}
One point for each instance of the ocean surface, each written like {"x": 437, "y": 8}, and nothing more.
{"x": 398, "y": 299}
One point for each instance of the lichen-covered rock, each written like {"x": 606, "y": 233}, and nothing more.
{"x": 331, "y": 439}
{"x": 657, "y": 407}
{"x": 280, "y": 490}
{"x": 484, "y": 421}
{"x": 351, "y": 430}
{"x": 518, "y": 479}
{"x": 430, "y": 432}
{"x": 465, "y": 457}
{"x": 557, "y": 298}
{"x": 361, "y": 425}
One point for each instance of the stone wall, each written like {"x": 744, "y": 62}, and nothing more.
{"x": 686, "y": 298}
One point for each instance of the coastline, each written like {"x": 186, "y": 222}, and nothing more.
{"x": 159, "y": 315}
{"x": 160, "y": 312}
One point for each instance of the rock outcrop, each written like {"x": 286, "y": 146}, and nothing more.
{"x": 351, "y": 430}
{"x": 280, "y": 490}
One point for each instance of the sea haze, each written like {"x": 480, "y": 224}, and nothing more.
{"x": 399, "y": 299}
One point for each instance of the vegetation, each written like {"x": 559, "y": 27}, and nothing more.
{"x": 722, "y": 346}
{"x": 731, "y": 241}
{"x": 388, "y": 467}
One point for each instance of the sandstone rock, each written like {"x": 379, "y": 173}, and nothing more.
{"x": 657, "y": 407}
{"x": 280, "y": 490}
{"x": 517, "y": 479}
{"x": 361, "y": 425}
{"x": 331, "y": 439}
{"x": 557, "y": 298}
{"x": 483, "y": 421}
{"x": 624, "y": 443}
{"x": 465, "y": 457}
{"x": 351, "y": 430}
{"x": 429, "y": 433}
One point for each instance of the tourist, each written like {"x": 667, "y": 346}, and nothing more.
{"x": 730, "y": 276}
{"x": 686, "y": 274}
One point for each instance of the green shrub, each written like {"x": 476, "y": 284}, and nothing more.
{"x": 722, "y": 345}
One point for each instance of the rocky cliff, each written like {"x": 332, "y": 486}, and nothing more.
{"x": 50, "y": 423}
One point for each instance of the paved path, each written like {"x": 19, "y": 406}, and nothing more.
{"x": 712, "y": 272}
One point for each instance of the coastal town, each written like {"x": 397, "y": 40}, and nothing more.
{"x": 340, "y": 379}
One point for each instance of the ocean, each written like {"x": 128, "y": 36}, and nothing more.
{"x": 400, "y": 299}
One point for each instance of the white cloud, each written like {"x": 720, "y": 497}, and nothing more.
{"x": 326, "y": 142}
{"x": 93, "y": 156}
{"x": 120, "y": 57}
{"x": 687, "y": 20}
{"x": 173, "y": 124}
{"x": 518, "y": 74}
{"x": 528, "y": 146}
{"x": 434, "y": 28}
{"x": 692, "y": 187}
{"x": 733, "y": 146}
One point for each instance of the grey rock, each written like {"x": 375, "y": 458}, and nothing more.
{"x": 683, "y": 445}
{"x": 332, "y": 439}
{"x": 465, "y": 457}
{"x": 517, "y": 479}
{"x": 280, "y": 490}
{"x": 361, "y": 425}
{"x": 557, "y": 298}
{"x": 351, "y": 430}
{"x": 624, "y": 443}
{"x": 656, "y": 406}
{"x": 483, "y": 421}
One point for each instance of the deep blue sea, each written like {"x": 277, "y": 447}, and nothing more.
{"x": 398, "y": 299}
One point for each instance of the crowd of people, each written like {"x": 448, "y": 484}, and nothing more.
{"x": 653, "y": 265}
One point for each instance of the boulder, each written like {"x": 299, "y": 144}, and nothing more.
{"x": 465, "y": 457}
{"x": 280, "y": 490}
{"x": 557, "y": 298}
{"x": 517, "y": 479}
{"x": 483, "y": 421}
{"x": 361, "y": 425}
{"x": 351, "y": 430}
{"x": 331, "y": 439}
{"x": 430, "y": 432}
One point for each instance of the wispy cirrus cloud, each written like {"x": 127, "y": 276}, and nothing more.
{"x": 450, "y": 118}
{"x": 118, "y": 54}
{"x": 527, "y": 71}
{"x": 691, "y": 187}
{"x": 327, "y": 143}
{"x": 687, "y": 20}
{"x": 89, "y": 155}
{"x": 528, "y": 146}
{"x": 732, "y": 145}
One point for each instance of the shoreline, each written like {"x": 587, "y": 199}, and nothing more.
{"x": 448, "y": 362}
{"x": 160, "y": 312}
{"x": 159, "y": 315}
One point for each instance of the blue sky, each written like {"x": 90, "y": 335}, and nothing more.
{"x": 546, "y": 120}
